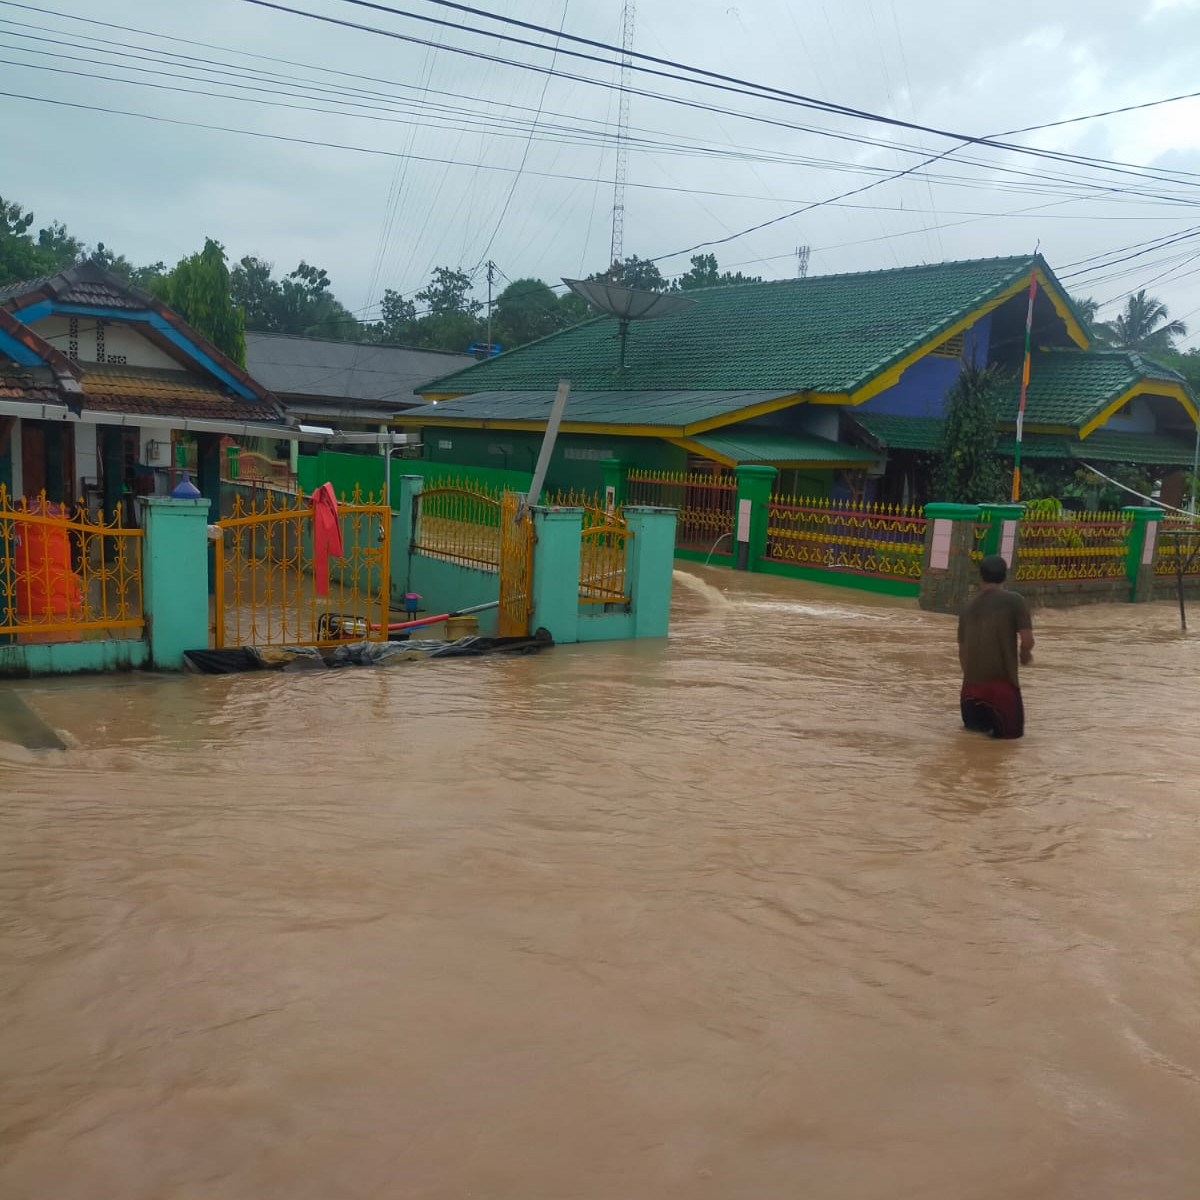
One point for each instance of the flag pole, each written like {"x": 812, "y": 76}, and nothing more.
{"x": 1016, "y": 481}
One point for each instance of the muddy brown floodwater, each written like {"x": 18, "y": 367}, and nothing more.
{"x": 740, "y": 915}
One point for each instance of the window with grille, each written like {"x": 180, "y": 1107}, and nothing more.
{"x": 952, "y": 347}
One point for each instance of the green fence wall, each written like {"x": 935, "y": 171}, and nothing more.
{"x": 345, "y": 471}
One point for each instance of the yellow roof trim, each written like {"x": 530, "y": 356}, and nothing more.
{"x": 892, "y": 375}
{"x": 703, "y": 451}
{"x": 828, "y": 398}
{"x": 1144, "y": 387}
{"x": 744, "y": 414}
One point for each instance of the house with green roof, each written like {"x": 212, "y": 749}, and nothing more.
{"x": 838, "y": 381}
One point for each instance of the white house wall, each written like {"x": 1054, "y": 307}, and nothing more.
{"x": 121, "y": 344}
{"x": 87, "y": 463}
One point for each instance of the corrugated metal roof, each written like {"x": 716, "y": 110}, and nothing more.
{"x": 672, "y": 410}
{"x": 743, "y": 446}
{"x": 387, "y": 375}
{"x": 825, "y": 333}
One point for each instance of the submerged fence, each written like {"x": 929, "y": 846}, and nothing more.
{"x": 1178, "y": 555}
{"x": 704, "y": 504}
{"x": 67, "y": 574}
{"x": 459, "y": 523}
{"x": 1086, "y": 546}
{"x": 883, "y": 541}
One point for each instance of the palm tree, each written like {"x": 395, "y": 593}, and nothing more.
{"x": 1087, "y": 308}
{"x": 1144, "y": 325}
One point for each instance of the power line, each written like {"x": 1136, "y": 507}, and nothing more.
{"x": 711, "y": 79}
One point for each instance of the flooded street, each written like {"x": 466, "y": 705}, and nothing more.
{"x": 744, "y": 914}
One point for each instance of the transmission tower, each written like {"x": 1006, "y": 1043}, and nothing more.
{"x": 617, "y": 248}
{"x": 802, "y": 253}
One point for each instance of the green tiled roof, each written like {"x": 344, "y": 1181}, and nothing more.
{"x": 1157, "y": 449}
{"x": 1069, "y": 387}
{"x": 826, "y": 333}
{"x": 901, "y": 433}
{"x": 743, "y": 445}
{"x": 673, "y": 411}
{"x": 925, "y": 433}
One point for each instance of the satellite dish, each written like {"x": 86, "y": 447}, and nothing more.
{"x": 627, "y": 304}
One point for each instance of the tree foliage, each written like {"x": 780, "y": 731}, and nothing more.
{"x": 706, "y": 272}
{"x": 967, "y": 470}
{"x": 301, "y": 303}
{"x": 199, "y": 290}
{"x": 1145, "y": 324}
{"x": 26, "y": 252}
{"x": 634, "y": 272}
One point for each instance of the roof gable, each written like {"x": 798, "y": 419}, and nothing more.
{"x": 1078, "y": 388}
{"x": 822, "y": 334}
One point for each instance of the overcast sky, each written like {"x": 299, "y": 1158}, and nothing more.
{"x": 541, "y": 206}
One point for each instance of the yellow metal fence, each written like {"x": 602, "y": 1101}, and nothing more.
{"x": 268, "y": 578}
{"x": 1169, "y": 547}
{"x": 67, "y": 574}
{"x": 460, "y": 523}
{"x": 881, "y": 540}
{"x": 705, "y": 503}
{"x": 1091, "y": 545}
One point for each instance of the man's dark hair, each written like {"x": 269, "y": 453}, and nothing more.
{"x": 993, "y": 569}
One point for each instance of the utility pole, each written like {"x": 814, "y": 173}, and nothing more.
{"x": 491, "y": 275}
{"x": 621, "y": 167}
{"x": 802, "y": 253}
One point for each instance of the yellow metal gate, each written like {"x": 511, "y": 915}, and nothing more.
{"x": 516, "y": 566}
{"x": 266, "y": 590}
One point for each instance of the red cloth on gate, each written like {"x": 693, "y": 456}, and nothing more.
{"x": 327, "y": 536}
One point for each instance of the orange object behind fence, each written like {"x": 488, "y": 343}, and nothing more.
{"x": 47, "y": 587}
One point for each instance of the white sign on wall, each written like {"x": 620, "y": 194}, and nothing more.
{"x": 939, "y": 550}
{"x": 1008, "y": 539}
{"x": 743, "y": 522}
{"x": 1151, "y": 540}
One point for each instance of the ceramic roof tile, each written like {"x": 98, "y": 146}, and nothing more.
{"x": 167, "y": 393}
{"x": 1069, "y": 387}
{"x": 828, "y": 333}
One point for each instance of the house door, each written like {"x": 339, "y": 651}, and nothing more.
{"x": 48, "y": 460}
{"x": 33, "y": 459}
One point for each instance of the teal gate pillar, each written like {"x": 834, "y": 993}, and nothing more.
{"x": 1143, "y": 551}
{"x": 175, "y": 578}
{"x": 947, "y": 569}
{"x": 754, "y": 486}
{"x": 555, "y": 598}
{"x": 615, "y": 475}
{"x": 405, "y": 491}
{"x": 650, "y": 567}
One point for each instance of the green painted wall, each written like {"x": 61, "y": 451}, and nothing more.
{"x": 71, "y": 658}
{"x": 345, "y": 470}
{"x": 574, "y": 464}
{"x": 446, "y": 587}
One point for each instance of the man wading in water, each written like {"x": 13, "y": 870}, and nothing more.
{"x": 989, "y": 630}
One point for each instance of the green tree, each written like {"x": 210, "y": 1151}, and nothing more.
{"x": 1187, "y": 364}
{"x": 526, "y": 310}
{"x": 634, "y": 272}
{"x": 448, "y": 291}
{"x": 967, "y": 470}
{"x": 1145, "y": 324}
{"x": 706, "y": 272}
{"x": 24, "y": 253}
{"x": 199, "y": 290}
{"x": 301, "y": 303}
{"x": 1087, "y": 308}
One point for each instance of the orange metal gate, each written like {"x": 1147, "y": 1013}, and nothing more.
{"x": 266, "y": 593}
{"x": 516, "y": 566}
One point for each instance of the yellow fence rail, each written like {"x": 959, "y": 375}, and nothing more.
{"x": 603, "y": 555}
{"x": 1091, "y": 545}
{"x": 1168, "y": 547}
{"x": 458, "y": 523}
{"x": 881, "y": 540}
{"x": 268, "y": 581}
{"x": 516, "y": 567}
{"x": 67, "y": 575}
{"x": 705, "y": 503}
